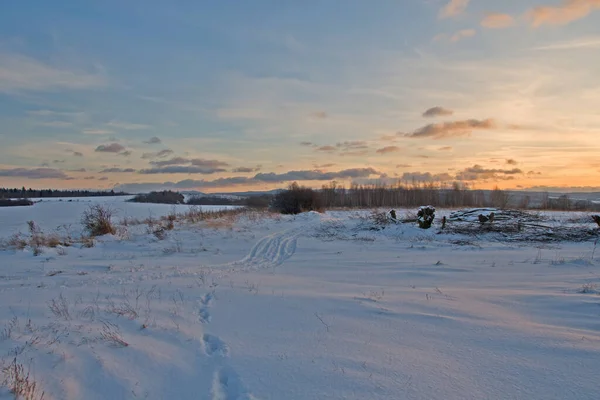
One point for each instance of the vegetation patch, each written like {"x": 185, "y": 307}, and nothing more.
{"x": 15, "y": 203}
{"x": 164, "y": 197}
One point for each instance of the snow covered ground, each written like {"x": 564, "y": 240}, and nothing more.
{"x": 56, "y": 213}
{"x": 316, "y": 306}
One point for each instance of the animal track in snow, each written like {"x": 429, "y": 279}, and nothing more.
{"x": 227, "y": 386}
{"x": 205, "y": 303}
{"x": 214, "y": 345}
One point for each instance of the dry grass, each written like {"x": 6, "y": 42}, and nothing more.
{"x": 19, "y": 381}
{"x": 111, "y": 334}
{"x": 222, "y": 223}
{"x": 37, "y": 240}
{"x": 97, "y": 220}
{"x": 60, "y": 307}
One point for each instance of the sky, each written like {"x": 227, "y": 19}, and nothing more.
{"x": 230, "y": 95}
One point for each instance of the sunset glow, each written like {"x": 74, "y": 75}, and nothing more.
{"x": 234, "y": 96}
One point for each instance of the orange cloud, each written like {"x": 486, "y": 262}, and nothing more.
{"x": 568, "y": 11}
{"x": 388, "y": 149}
{"x": 454, "y": 8}
{"x": 453, "y": 129}
{"x": 437, "y": 112}
{"x": 497, "y": 21}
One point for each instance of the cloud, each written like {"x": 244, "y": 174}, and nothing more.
{"x": 198, "y": 162}
{"x": 497, "y": 21}
{"x": 220, "y": 182}
{"x": 581, "y": 43}
{"x": 22, "y": 73}
{"x": 308, "y": 175}
{"x": 245, "y": 169}
{"x": 352, "y": 145}
{"x": 181, "y": 169}
{"x": 116, "y": 170}
{"x": 388, "y": 149}
{"x": 455, "y": 37}
{"x": 510, "y": 161}
{"x": 35, "y": 173}
{"x": 453, "y": 8}
{"x": 319, "y": 115}
{"x": 242, "y": 180}
{"x": 74, "y": 153}
{"x": 90, "y": 131}
{"x": 453, "y": 129}
{"x": 172, "y": 161}
{"x": 126, "y": 153}
{"x": 326, "y": 148}
{"x": 345, "y": 148}
{"x": 78, "y": 170}
{"x": 437, "y": 112}
{"x": 445, "y": 148}
{"x": 568, "y": 11}
{"x": 464, "y": 33}
{"x": 324, "y": 166}
{"x": 110, "y": 148}
{"x": 153, "y": 140}
{"x": 425, "y": 177}
{"x": 158, "y": 154}
{"x": 127, "y": 126}
{"x": 477, "y": 172}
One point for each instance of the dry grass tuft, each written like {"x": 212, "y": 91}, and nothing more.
{"x": 111, "y": 334}
{"x": 20, "y": 383}
{"x": 97, "y": 220}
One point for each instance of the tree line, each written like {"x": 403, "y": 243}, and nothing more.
{"x": 24, "y": 193}
{"x": 298, "y": 198}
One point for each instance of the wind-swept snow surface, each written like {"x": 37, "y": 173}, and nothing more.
{"x": 317, "y": 306}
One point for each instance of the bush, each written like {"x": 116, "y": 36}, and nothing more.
{"x": 97, "y": 220}
{"x": 214, "y": 201}
{"x": 164, "y": 197}
{"x": 297, "y": 199}
{"x": 425, "y": 215}
{"x": 260, "y": 201}
{"x": 15, "y": 203}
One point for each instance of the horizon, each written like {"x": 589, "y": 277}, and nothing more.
{"x": 236, "y": 97}
{"x": 533, "y": 190}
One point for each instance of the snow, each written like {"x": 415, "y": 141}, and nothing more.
{"x": 314, "y": 306}
{"x": 53, "y": 213}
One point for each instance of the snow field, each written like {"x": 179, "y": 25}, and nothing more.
{"x": 317, "y": 306}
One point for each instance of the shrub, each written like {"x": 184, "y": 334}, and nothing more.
{"x": 214, "y": 201}
{"x": 425, "y": 215}
{"x": 297, "y": 199}
{"x": 97, "y": 220}
{"x": 259, "y": 201}
{"x": 164, "y": 197}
